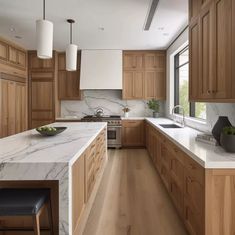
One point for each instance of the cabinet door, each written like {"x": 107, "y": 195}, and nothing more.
{"x": 138, "y": 85}
{"x": 206, "y": 53}
{"x": 133, "y": 133}
{"x": 20, "y": 107}
{"x": 62, "y": 81}
{"x": 3, "y": 51}
{"x": 150, "y": 61}
{"x": 222, "y": 54}
{"x": 73, "y": 80}
{"x": 128, "y": 92}
{"x": 160, "y": 85}
{"x": 194, "y": 60}
{"x": 4, "y": 108}
{"x": 150, "y": 84}
{"x": 78, "y": 191}
{"x": 11, "y": 107}
{"x": 36, "y": 63}
{"x": 21, "y": 58}
{"x": 12, "y": 55}
{"x": 61, "y": 61}
{"x": 133, "y": 61}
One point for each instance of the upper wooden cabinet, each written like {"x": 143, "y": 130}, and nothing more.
{"x": 3, "y": 51}
{"x": 133, "y": 60}
{"x": 36, "y": 63}
{"x": 212, "y": 52}
{"x": 17, "y": 57}
{"x": 68, "y": 82}
{"x": 144, "y": 75}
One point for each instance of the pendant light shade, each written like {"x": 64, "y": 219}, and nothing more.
{"x": 44, "y": 36}
{"x": 71, "y": 52}
{"x": 71, "y": 57}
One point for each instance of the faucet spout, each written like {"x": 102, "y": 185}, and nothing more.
{"x": 183, "y": 114}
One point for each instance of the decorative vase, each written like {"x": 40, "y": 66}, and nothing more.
{"x": 228, "y": 142}
{"x": 126, "y": 114}
{"x": 218, "y": 127}
{"x": 155, "y": 114}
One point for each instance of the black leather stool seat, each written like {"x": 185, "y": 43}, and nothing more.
{"x": 22, "y": 202}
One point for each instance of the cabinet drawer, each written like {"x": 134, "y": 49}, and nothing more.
{"x": 196, "y": 170}
{"x": 177, "y": 170}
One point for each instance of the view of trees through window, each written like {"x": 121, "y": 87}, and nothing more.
{"x": 197, "y": 110}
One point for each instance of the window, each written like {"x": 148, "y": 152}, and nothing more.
{"x": 197, "y": 110}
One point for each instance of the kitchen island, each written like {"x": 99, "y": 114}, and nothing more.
{"x": 63, "y": 160}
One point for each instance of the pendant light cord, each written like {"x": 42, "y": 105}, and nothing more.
{"x": 71, "y": 33}
{"x": 44, "y": 10}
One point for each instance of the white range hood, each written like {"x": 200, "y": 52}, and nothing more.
{"x": 101, "y": 69}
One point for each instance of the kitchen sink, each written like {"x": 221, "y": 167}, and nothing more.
{"x": 170, "y": 126}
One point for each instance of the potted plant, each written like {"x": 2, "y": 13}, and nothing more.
{"x": 227, "y": 139}
{"x": 154, "y": 105}
{"x": 126, "y": 111}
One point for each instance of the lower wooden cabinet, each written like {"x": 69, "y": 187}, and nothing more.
{"x": 183, "y": 178}
{"x": 13, "y": 105}
{"x": 133, "y": 134}
{"x": 85, "y": 173}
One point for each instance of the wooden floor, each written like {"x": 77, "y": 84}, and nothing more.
{"x": 132, "y": 199}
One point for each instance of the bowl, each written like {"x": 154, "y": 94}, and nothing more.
{"x": 51, "y": 133}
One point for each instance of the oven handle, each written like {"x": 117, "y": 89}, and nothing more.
{"x": 110, "y": 127}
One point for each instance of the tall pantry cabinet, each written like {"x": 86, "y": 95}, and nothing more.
{"x": 43, "y": 98}
{"x": 212, "y": 50}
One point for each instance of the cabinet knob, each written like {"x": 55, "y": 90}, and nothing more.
{"x": 208, "y": 91}
{"x": 213, "y": 91}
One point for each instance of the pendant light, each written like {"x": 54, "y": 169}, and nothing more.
{"x": 44, "y": 36}
{"x": 71, "y": 51}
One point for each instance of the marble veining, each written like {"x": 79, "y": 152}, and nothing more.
{"x": 29, "y": 156}
{"x": 109, "y": 100}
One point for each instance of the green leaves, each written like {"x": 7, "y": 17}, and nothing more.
{"x": 154, "y": 105}
{"x": 229, "y": 130}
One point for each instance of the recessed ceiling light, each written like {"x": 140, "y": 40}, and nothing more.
{"x": 18, "y": 37}
{"x": 12, "y": 29}
{"x": 101, "y": 28}
{"x": 160, "y": 28}
{"x": 166, "y": 34}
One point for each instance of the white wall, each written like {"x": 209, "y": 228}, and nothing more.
{"x": 213, "y": 110}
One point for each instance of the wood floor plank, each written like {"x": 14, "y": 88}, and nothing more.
{"x": 132, "y": 200}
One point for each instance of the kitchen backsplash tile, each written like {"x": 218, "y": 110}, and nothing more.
{"x": 110, "y": 101}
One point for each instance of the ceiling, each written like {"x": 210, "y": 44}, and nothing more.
{"x": 100, "y": 24}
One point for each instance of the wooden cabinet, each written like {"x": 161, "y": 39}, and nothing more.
{"x": 17, "y": 57}
{"x": 183, "y": 178}
{"x": 3, "y": 51}
{"x": 36, "y": 63}
{"x": 213, "y": 25}
{"x": 133, "y": 61}
{"x": 145, "y": 79}
{"x": 43, "y": 102}
{"x": 133, "y": 133}
{"x": 13, "y": 106}
{"x": 78, "y": 190}
{"x": 133, "y": 85}
{"x": 68, "y": 82}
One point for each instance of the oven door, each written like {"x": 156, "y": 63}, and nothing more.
{"x": 114, "y": 136}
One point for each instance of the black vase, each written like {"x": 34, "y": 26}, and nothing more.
{"x": 218, "y": 127}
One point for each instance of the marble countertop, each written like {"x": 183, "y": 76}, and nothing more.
{"x": 206, "y": 155}
{"x": 31, "y": 147}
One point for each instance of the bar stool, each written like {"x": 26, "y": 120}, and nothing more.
{"x": 25, "y": 202}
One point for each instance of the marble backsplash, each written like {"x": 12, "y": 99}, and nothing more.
{"x": 110, "y": 101}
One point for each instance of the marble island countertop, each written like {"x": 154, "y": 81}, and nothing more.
{"x": 30, "y": 146}
{"x": 206, "y": 155}
{"x": 30, "y": 156}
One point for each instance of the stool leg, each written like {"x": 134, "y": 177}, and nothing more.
{"x": 36, "y": 224}
{"x": 50, "y": 218}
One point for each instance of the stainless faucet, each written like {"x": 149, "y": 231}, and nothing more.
{"x": 183, "y": 115}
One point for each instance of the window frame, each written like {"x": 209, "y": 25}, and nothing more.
{"x": 192, "y": 105}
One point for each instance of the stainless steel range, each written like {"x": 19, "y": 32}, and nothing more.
{"x": 114, "y": 130}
